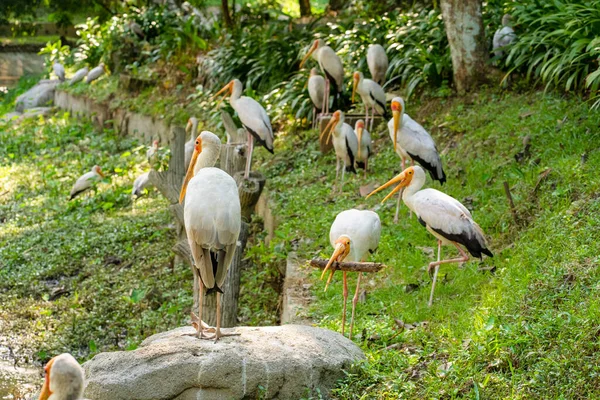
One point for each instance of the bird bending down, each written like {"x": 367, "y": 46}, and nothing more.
{"x": 443, "y": 216}
{"x": 412, "y": 142}
{"x": 78, "y": 76}
{"x": 86, "y": 181}
{"x": 212, "y": 217}
{"x": 353, "y": 235}
{"x": 140, "y": 183}
{"x": 364, "y": 146}
{"x": 345, "y": 144}
{"x": 316, "y": 91}
{"x": 59, "y": 71}
{"x": 378, "y": 63}
{"x": 95, "y": 73}
{"x": 371, "y": 94}
{"x": 254, "y": 118}
{"x": 64, "y": 379}
{"x": 503, "y": 36}
{"x": 192, "y": 129}
{"x": 332, "y": 68}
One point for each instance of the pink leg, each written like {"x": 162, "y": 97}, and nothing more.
{"x": 249, "y": 156}
{"x": 403, "y": 164}
{"x": 345, "y": 294}
{"x": 325, "y": 108}
{"x": 354, "y": 301}
{"x": 464, "y": 257}
{"x": 372, "y": 117}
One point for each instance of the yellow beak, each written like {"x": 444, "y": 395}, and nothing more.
{"x": 46, "y": 393}
{"x": 359, "y": 133}
{"x": 402, "y": 181}
{"x": 354, "y": 89}
{"x": 190, "y": 172}
{"x": 340, "y": 248}
{"x": 312, "y": 50}
{"x": 229, "y": 87}
{"x": 329, "y": 128}
{"x": 396, "y": 115}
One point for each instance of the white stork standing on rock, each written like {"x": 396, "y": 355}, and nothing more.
{"x": 371, "y": 94}
{"x": 332, "y": 68}
{"x": 78, "y": 76}
{"x": 345, "y": 144}
{"x": 59, "y": 71}
{"x": 253, "y": 116}
{"x": 86, "y": 181}
{"x": 316, "y": 91}
{"x": 443, "y": 216}
{"x": 64, "y": 379}
{"x": 377, "y": 61}
{"x": 353, "y": 235}
{"x": 212, "y": 217}
{"x": 364, "y": 145}
{"x": 413, "y": 143}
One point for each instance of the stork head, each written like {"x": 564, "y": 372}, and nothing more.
{"x": 96, "y": 169}
{"x": 192, "y": 122}
{"x": 64, "y": 376}
{"x": 506, "y": 19}
{"x": 356, "y": 77}
{"x": 211, "y": 145}
{"x": 340, "y": 252}
{"x": 316, "y": 44}
{"x": 228, "y": 90}
{"x": 314, "y": 72}
{"x": 397, "y": 111}
{"x": 403, "y": 179}
{"x": 359, "y": 127}
{"x": 335, "y": 119}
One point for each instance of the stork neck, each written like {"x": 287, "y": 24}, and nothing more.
{"x": 414, "y": 186}
{"x": 207, "y": 158}
{"x": 236, "y": 92}
{"x": 194, "y": 129}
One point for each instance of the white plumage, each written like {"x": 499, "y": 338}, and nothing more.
{"x": 212, "y": 216}
{"x": 364, "y": 145}
{"x": 254, "y": 118}
{"x": 345, "y": 144}
{"x": 152, "y": 153}
{"x": 443, "y": 216}
{"x": 59, "y": 71}
{"x": 86, "y": 181}
{"x": 372, "y": 95}
{"x": 140, "y": 183}
{"x": 192, "y": 129}
{"x": 95, "y": 73}
{"x": 377, "y": 61}
{"x": 78, "y": 76}
{"x": 316, "y": 91}
{"x": 503, "y": 36}
{"x": 353, "y": 235}
{"x": 332, "y": 68}
{"x": 64, "y": 379}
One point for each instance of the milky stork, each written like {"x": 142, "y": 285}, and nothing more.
{"x": 64, "y": 379}
{"x": 316, "y": 91}
{"x": 86, "y": 181}
{"x": 364, "y": 145}
{"x": 192, "y": 129}
{"x": 332, "y": 68}
{"x": 353, "y": 235}
{"x": 59, "y": 71}
{"x": 503, "y": 36}
{"x": 78, "y": 76}
{"x": 253, "y": 116}
{"x": 412, "y": 142}
{"x": 212, "y": 217}
{"x": 371, "y": 94}
{"x": 377, "y": 61}
{"x": 443, "y": 216}
{"x": 152, "y": 153}
{"x": 140, "y": 183}
{"x": 95, "y": 73}
{"x": 345, "y": 144}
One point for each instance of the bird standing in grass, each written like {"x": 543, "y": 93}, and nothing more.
{"x": 331, "y": 66}
{"x": 364, "y": 146}
{"x": 443, "y": 216}
{"x": 59, "y": 71}
{"x": 377, "y": 61}
{"x": 86, "y": 181}
{"x": 78, "y": 76}
{"x": 316, "y": 91}
{"x": 372, "y": 95}
{"x": 64, "y": 379}
{"x": 212, "y": 216}
{"x": 140, "y": 183}
{"x": 353, "y": 235}
{"x": 254, "y": 118}
{"x": 345, "y": 144}
{"x": 95, "y": 73}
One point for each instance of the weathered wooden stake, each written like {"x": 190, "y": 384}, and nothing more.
{"x": 348, "y": 266}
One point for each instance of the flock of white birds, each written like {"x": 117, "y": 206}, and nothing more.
{"x": 212, "y": 212}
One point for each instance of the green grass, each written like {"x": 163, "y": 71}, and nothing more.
{"x": 527, "y": 330}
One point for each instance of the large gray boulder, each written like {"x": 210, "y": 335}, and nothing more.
{"x": 40, "y": 95}
{"x": 279, "y": 362}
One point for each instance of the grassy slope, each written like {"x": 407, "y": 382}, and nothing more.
{"x": 530, "y": 329}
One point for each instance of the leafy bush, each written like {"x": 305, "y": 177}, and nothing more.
{"x": 561, "y": 46}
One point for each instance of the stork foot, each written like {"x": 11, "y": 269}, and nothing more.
{"x": 430, "y": 269}
{"x": 218, "y": 335}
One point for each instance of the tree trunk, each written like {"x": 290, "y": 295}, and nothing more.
{"x": 226, "y": 15}
{"x": 304, "y": 8}
{"x": 336, "y": 5}
{"x": 464, "y": 29}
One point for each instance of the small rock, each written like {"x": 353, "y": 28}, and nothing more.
{"x": 366, "y": 189}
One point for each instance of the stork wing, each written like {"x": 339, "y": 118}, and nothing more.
{"x": 442, "y": 212}
{"x": 331, "y": 63}
{"x": 255, "y": 118}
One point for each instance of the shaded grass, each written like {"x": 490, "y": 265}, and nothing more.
{"x": 528, "y": 329}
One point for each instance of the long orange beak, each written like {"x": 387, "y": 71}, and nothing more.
{"x": 190, "y": 172}
{"x": 359, "y": 132}
{"x": 100, "y": 172}
{"x": 402, "y": 179}
{"x": 312, "y": 50}
{"x": 329, "y": 128}
{"x": 229, "y": 87}
{"x": 354, "y": 88}
{"x": 338, "y": 255}
{"x": 396, "y": 115}
{"x": 188, "y": 126}
{"x": 46, "y": 393}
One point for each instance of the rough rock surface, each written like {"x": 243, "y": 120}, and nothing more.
{"x": 40, "y": 95}
{"x": 279, "y": 362}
